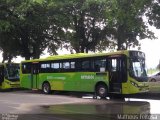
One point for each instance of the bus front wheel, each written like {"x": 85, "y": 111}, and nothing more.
{"x": 101, "y": 91}
{"x": 46, "y": 88}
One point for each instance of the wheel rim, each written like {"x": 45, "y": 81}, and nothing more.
{"x": 46, "y": 88}
{"x": 102, "y": 91}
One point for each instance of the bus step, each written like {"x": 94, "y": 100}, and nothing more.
{"x": 115, "y": 92}
{"x": 34, "y": 89}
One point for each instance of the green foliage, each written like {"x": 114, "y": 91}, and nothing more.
{"x": 127, "y": 24}
{"x": 8, "y": 42}
{"x": 82, "y": 22}
{"x": 158, "y": 66}
{"x": 28, "y": 27}
{"x": 154, "y": 87}
{"x": 152, "y": 71}
{"x": 153, "y": 14}
{"x": 32, "y": 30}
{"x": 25, "y": 30}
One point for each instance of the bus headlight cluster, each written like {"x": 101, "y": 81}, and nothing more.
{"x": 134, "y": 84}
{"x": 7, "y": 82}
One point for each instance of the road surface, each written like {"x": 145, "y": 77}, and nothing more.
{"x": 27, "y": 104}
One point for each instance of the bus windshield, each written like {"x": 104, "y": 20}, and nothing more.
{"x": 12, "y": 71}
{"x": 138, "y": 67}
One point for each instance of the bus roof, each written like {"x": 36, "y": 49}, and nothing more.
{"x": 77, "y": 55}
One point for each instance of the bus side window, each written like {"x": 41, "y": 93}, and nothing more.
{"x": 55, "y": 67}
{"x": 78, "y": 65}
{"x": 86, "y": 65}
{"x": 72, "y": 65}
{"x": 66, "y": 65}
{"x": 45, "y": 67}
{"x": 99, "y": 64}
{"x": 26, "y": 68}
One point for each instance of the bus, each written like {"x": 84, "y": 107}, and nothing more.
{"x": 120, "y": 72}
{"x": 9, "y": 75}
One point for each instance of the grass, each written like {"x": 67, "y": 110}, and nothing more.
{"x": 154, "y": 87}
{"x": 152, "y": 71}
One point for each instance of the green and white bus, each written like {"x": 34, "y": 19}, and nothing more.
{"x": 121, "y": 72}
{"x": 9, "y": 75}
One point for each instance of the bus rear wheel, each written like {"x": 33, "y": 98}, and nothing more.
{"x": 153, "y": 80}
{"x": 46, "y": 88}
{"x": 101, "y": 91}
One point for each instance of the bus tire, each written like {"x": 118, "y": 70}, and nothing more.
{"x": 101, "y": 91}
{"x": 153, "y": 80}
{"x": 46, "y": 88}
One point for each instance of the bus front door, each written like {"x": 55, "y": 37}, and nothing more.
{"x": 34, "y": 76}
{"x": 117, "y": 73}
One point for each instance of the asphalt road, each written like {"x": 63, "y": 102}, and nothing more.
{"x": 32, "y": 105}
{"x": 27, "y": 104}
{"x": 28, "y": 101}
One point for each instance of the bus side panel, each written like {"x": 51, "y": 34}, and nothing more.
{"x": 60, "y": 81}
{"x": 82, "y": 81}
{"x": 76, "y": 81}
{"x": 71, "y": 82}
{"x": 56, "y": 81}
{"x": 25, "y": 81}
{"x": 68, "y": 81}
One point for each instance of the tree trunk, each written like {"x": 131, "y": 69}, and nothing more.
{"x": 120, "y": 37}
{"x": 10, "y": 58}
{"x": 27, "y": 57}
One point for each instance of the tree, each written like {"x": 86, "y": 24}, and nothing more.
{"x": 158, "y": 66}
{"x": 82, "y": 24}
{"x": 126, "y": 25}
{"x": 9, "y": 45}
{"x": 32, "y": 30}
{"x": 39, "y": 28}
{"x": 8, "y": 42}
{"x": 27, "y": 27}
{"x": 95, "y": 25}
{"x": 153, "y": 14}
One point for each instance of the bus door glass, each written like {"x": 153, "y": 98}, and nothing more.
{"x": 117, "y": 73}
{"x": 35, "y": 75}
{"x": 1, "y": 74}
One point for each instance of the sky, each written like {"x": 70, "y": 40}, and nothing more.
{"x": 150, "y": 47}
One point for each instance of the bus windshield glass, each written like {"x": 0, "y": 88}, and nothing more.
{"x": 137, "y": 66}
{"x": 12, "y": 71}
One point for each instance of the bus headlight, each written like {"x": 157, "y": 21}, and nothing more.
{"x": 7, "y": 82}
{"x": 134, "y": 84}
